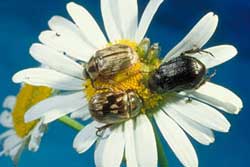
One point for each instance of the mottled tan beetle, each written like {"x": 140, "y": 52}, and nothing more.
{"x": 110, "y": 60}
{"x": 111, "y": 108}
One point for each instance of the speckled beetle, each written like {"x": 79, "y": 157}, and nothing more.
{"x": 112, "y": 107}
{"x": 109, "y": 61}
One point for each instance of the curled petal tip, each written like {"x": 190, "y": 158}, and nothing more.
{"x": 17, "y": 78}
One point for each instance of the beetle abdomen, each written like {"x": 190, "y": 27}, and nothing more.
{"x": 112, "y": 107}
{"x": 178, "y": 74}
{"x": 108, "y": 107}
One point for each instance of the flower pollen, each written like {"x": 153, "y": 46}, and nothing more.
{"x": 133, "y": 78}
{"x": 27, "y": 97}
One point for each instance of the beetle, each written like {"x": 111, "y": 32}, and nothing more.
{"x": 179, "y": 74}
{"x": 114, "y": 107}
{"x": 109, "y": 61}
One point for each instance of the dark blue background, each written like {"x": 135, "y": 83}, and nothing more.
{"x": 22, "y": 20}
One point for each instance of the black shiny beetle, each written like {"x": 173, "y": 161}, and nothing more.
{"x": 178, "y": 74}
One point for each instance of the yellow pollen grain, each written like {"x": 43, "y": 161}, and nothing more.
{"x": 27, "y": 97}
{"x": 132, "y": 78}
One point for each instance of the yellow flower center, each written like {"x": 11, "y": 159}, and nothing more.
{"x": 134, "y": 78}
{"x": 26, "y": 98}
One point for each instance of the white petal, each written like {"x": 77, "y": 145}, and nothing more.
{"x": 11, "y": 142}
{"x": 47, "y": 77}
{"x": 177, "y": 140}
{"x": 111, "y": 19}
{"x": 87, "y": 24}
{"x": 146, "y": 150}
{"x": 197, "y": 37}
{"x": 202, "y": 113}
{"x": 109, "y": 151}
{"x": 63, "y": 26}
{"x": 128, "y": 12}
{"x": 86, "y": 137}
{"x": 72, "y": 39}
{"x": 82, "y": 113}
{"x": 9, "y": 102}
{"x": 65, "y": 45}
{"x": 219, "y": 97}
{"x": 7, "y": 134}
{"x": 220, "y": 54}
{"x": 36, "y": 135}
{"x": 130, "y": 152}
{"x": 56, "y": 60}
{"x": 146, "y": 19}
{"x": 15, "y": 153}
{"x": 13, "y": 147}
{"x": 70, "y": 44}
{"x": 200, "y": 133}
{"x": 6, "y": 119}
{"x": 59, "y": 104}
{"x": 119, "y": 23}
{"x": 55, "y": 114}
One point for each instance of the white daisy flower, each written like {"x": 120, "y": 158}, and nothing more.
{"x": 20, "y": 134}
{"x": 67, "y": 44}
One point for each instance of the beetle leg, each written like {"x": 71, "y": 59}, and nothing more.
{"x": 101, "y": 129}
{"x": 191, "y": 51}
{"x": 94, "y": 86}
{"x": 99, "y": 133}
{"x": 207, "y": 52}
{"x": 196, "y": 50}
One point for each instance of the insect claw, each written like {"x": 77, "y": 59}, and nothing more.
{"x": 100, "y": 131}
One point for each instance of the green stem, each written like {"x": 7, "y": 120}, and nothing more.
{"x": 162, "y": 158}
{"x": 71, "y": 123}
